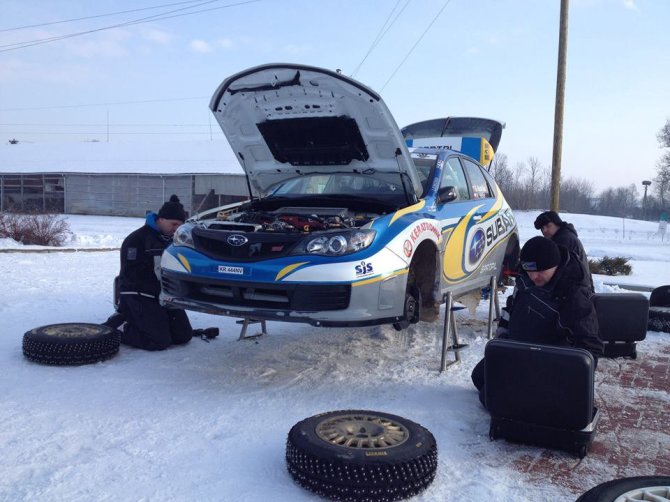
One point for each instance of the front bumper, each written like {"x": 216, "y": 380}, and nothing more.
{"x": 380, "y": 301}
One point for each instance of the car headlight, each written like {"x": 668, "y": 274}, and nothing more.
{"x": 337, "y": 244}
{"x": 183, "y": 236}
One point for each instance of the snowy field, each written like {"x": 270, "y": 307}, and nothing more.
{"x": 209, "y": 421}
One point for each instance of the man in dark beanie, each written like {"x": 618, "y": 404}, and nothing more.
{"x": 148, "y": 325}
{"x": 551, "y": 304}
{"x": 553, "y": 227}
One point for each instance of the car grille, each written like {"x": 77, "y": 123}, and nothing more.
{"x": 300, "y": 297}
{"x": 259, "y": 245}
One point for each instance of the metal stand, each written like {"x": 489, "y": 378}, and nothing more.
{"x": 245, "y": 324}
{"x": 493, "y": 304}
{"x": 449, "y": 328}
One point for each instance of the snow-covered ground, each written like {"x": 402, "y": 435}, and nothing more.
{"x": 208, "y": 421}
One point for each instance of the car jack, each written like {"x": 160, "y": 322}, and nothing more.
{"x": 449, "y": 332}
{"x": 245, "y": 324}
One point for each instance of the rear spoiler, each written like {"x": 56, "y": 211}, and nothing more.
{"x": 476, "y": 137}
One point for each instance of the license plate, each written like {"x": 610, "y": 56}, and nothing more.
{"x": 224, "y": 269}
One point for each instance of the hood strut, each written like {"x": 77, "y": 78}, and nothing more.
{"x": 410, "y": 200}
{"x": 246, "y": 175}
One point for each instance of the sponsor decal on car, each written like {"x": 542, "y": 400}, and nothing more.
{"x": 424, "y": 226}
{"x": 363, "y": 269}
{"x": 477, "y": 246}
{"x": 407, "y": 248}
{"x": 479, "y": 240}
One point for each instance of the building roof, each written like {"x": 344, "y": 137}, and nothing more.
{"x": 195, "y": 157}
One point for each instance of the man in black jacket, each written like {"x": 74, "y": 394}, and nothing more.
{"x": 564, "y": 234}
{"x": 551, "y": 304}
{"x": 148, "y": 325}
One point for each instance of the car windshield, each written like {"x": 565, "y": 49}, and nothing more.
{"x": 347, "y": 184}
{"x": 425, "y": 163}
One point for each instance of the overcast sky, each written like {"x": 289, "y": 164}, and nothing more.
{"x": 428, "y": 58}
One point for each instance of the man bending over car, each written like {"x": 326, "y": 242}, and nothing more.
{"x": 551, "y": 304}
{"x": 148, "y": 325}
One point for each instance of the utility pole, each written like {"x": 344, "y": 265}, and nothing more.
{"x": 645, "y": 184}
{"x": 558, "y": 111}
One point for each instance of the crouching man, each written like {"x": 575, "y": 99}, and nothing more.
{"x": 148, "y": 325}
{"x": 551, "y": 304}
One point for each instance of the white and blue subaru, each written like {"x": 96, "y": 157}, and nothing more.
{"x": 351, "y": 221}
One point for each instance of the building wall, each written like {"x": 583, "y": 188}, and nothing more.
{"x": 116, "y": 194}
{"x": 124, "y": 194}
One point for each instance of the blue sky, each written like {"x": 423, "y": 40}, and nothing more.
{"x": 492, "y": 58}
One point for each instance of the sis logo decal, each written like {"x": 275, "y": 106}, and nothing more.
{"x": 364, "y": 268}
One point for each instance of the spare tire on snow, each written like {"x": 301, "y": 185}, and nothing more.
{"x": 359, "y": 455}
{"x": 71, "y": 343}
{"x": 636, "y": 488}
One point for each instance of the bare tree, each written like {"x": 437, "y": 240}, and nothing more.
{"x": 534, "y": 171}
{"x": 576, "y": 195}
{"x": 501, "y": 173}
{"x": 664, "y": 135}
{"x": 662, "y": 179}
{"x": 522, "y": 189}
{"x": 622, "y": 201}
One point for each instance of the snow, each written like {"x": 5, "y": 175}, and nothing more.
{"x": 209, "y": 421}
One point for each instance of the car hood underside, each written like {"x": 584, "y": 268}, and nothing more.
{"x": 285, "y": 120}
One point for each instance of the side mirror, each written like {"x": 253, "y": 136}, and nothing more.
{"x": 447, "y": 194}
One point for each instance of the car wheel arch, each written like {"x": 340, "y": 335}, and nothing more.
{"x": 424, "y": 271}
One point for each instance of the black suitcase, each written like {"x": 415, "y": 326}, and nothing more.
{"x": 622, "y": 321}
{"x": 659, "y": 309}
{"x": 541, "y": 395}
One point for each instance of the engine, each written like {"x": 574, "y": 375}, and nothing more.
{"x": 291, "y": 220}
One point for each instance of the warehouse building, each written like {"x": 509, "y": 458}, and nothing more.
{"x": 118, "y": 179}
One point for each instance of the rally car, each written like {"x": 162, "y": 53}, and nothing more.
{"x": 351, "y": 221}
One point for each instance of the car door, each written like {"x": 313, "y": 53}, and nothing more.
{"x": 457, "y": 218}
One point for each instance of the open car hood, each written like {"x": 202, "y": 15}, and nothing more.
{"x": 287, "y": 120}
{"x": 464, "y": 134}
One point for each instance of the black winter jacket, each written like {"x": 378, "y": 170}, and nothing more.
{"x": 140, "y": 258}
{"x": 566, "y": 236}
{"x": 560, "y": 313}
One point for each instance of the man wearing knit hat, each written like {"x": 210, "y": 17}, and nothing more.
{"x": 148, "y": 325}
{"x": 551, "y": 303}
{"x": 564, "y": 234}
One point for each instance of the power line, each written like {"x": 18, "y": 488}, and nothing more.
{"x": 24, "y": 124}
{"x": 30, "y": 43}
{"x": 95, "y": 17}
{"x": 379, "y": 36}
{"x": 156, "y": 17}
{"x": 415, "y": 45}
{"x": 56, "y": 107}
{"x": 111, "y": 133}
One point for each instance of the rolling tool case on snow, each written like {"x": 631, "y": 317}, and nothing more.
{"x": 659, "y": 309}
{"x": 622, "y": 321}
{"x": 541, "y": 395}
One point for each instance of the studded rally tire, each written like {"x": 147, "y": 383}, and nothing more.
{"x": 358, "y": 455}
{"x": 71, "y": 343}
{"x": 659, "y": 319}
{"x": 625, "y": 489}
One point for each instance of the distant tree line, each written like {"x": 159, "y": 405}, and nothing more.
{"x": 527, "y": 186}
